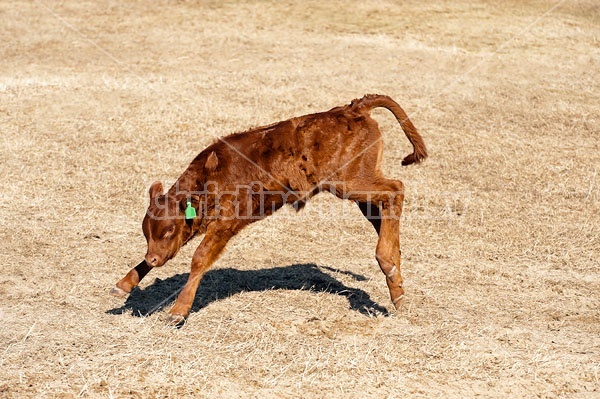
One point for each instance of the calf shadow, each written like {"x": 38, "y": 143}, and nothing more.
{"x": 222, "y": 283}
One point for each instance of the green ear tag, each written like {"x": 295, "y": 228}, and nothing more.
{"x": 190, "y": 212}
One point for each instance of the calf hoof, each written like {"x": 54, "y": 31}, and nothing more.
{"x": 116, "y": 291}
{"x": 398, "y": 301}
{"x": 175, "y": 320}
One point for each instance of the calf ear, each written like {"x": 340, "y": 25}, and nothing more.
{"x": 156, "y": 189}
{"x": 212, "y": 162}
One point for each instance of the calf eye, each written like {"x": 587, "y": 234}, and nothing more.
{"x": 169, "y": 231}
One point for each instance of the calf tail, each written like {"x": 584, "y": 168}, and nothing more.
{"x": 370, "y": 101}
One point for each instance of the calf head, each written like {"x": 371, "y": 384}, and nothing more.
{"x": 165, "y": 226}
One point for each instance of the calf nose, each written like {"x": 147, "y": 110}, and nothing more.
{"x": 151, "y": 260}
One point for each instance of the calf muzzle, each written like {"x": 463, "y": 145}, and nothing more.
{"x": 154, "y": 260}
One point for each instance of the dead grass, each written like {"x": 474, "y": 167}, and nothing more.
{"x": 500, "y": 238}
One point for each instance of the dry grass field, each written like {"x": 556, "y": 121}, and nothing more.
{"x": 500, "y": 235}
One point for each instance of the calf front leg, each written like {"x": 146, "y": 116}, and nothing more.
{"x": 208, "y": 251}
{"x": 131, "y": 279}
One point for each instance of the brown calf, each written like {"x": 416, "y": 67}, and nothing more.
{"x": 247, "y": 176}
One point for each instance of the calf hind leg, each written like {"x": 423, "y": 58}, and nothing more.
{"x": 372, "y": 213}
{"x": 388, "y": 257}
{"x": 381, "y": 202}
